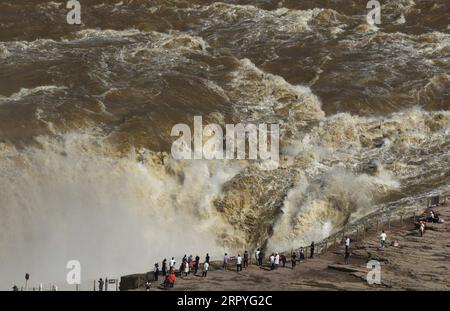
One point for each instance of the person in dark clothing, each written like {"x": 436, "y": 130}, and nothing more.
{"x": 260, "y": 258}
{"x": 197, "y": 262}
{"x": 245, "y": 259}
{"x": 347, "y": 256}
{"x": 100, "y": 285}
{"x": 15, "y": 288}
{"x": 207, "y": 258}
{"x": 283, "y": 260}
{"x": 312, "y": 250}
{"x": 164, "y": 267}
{"x": 302, "y": 254}
{"x": 156, "y": 271}
{"x": 293, "y": 259}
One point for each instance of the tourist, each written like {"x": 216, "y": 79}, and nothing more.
{"x": 312, "y": 250}
{"x": 192, "y": 266}
{"x": 167, "y": 280}
{"x": 277, "y": 260}
{"x": 100, "y": 285}
{"x": 197, "y": 262}
{"x": 207, "y": 258}
{"x": 422, "y": 228}
{"x": 172, "y": 263}
{"x": 183, "y": 267}
{"x": 205, "y": 269}
{"x": 239, "y": 263}
{"x": 164, "y": 267}
{"x": 302, "y": 253}
{"x": 272, "y": 261}
{"x": 283, "y": 260}
{"x": 156, "y": 271}
{"x": 383, "y": 237}
{"x": 245, "y": 259}
{"x": 225, "y": 261}
{"x": 347, "y": 243}
{"x": 170, "y": 280}
{"x": 186, "y": 268}
{"x": 293, "y": 259}
{"x": 434, "y": 218}
{"x": 260, "y": 258}
{"x": 257, "y": 255}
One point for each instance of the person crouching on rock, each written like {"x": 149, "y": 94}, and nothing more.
{"x": 170, "y": 280}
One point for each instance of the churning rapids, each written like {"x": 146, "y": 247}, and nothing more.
{"x": 86, "y": 113}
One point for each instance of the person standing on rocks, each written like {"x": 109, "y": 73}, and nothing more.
{"x": 277, "y": 260}
{"x": 383, "y": 237}
{"x": 156, "y": 271}
{"x": 186, "y": 268}
{"x": 239, "y": 263}
{"x": 346, "y": 256}
{"x": 312, "y": 250}
{"x": 302, "y": 253}
{"x": 172, "y": 263}
{"x": 183, "y": 267}
{"x": 225, "y": 261}
{"x": 272, "y": 261}
{"x": 422, "y": 228}
{"x": 347, "y": 243}
{"x": 293, "y": 260}
{"x": 257, "y": 255}
{"x": 197, "y": 262}
{"x": 245, "y": 259}
{"x": 100, "y": 285}
{"x": 205, "y": 269}
{"x": 164, "y": 267}
{"x": 207, "y": 258}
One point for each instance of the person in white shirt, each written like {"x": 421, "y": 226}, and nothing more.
{"x": 172, "y": 263}
{"x": 383, "y": 237}
{"x": 239, "y": 263}
{"x": 257, "y": 255}
{"x": 272, "y": 261}
{"x": 347, "y": 243}
{"x": 277, "y": 260}
{"x": 205, "y": 269}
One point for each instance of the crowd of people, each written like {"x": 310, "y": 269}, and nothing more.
{"x": 169, "y": 270}
{"x": 190, "y": 264}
